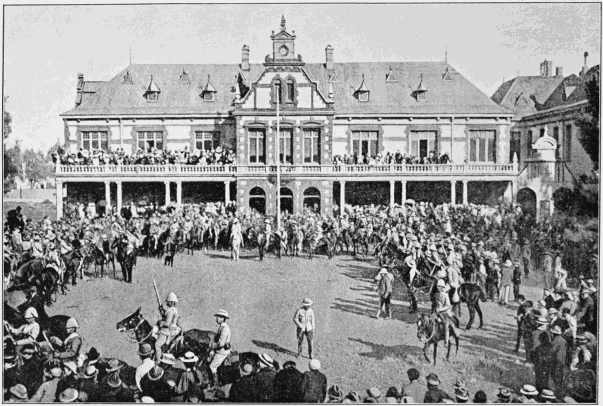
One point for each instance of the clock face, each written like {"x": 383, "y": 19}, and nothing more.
{"x": 283, "y": 50}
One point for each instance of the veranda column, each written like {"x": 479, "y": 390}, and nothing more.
{"x": 392, "y": 188}
{"x": 179, "y": 193}
{"x": 453, "y": 192}
{"x": 108, "y": 194}
{"x": 59, "y": 199}
{"x": 341, "y": 197}
{"x": 514, "y": 187}
{"x": 119, "y": 198}
{"x": 168, "y": 199}
{"x": 403, "y": 192}
{"x": 465, "y": 187}
{"x": 226, "y": 192}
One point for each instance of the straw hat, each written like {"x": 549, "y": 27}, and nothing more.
{"x": 528, "y": 390}
{"x": 265, "y": 359}
{"x": 68, "y": 396}
{"x": 222, "y": 313}
{"x": 114, "y": 365}
{"x": 308, "y": 302}
{"x": 189, "y": 357}
{"x": 19, "y": 391}
{"x": 547, "y": 394}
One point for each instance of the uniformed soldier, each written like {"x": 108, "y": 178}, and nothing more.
{"x": 70, "y": 348}
{"x": 267, "y": 233}
{"x": 168, "y": 325}
{"x": 29, "y": 332}
{"x": 106, "y": 246}
{"x": 37, "y": 249}
{"x": 443, "y": 308}
{"x": 221, "y": 346}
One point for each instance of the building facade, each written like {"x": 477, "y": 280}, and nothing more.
{"x": 324, "y": 110}
{"x": 544, "y": 134}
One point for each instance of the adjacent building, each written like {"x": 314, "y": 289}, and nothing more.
{"x": 322, "y": 110}
{"x": 544, "y": 134}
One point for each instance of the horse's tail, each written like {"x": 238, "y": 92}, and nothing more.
{"x": 482, "y": 294}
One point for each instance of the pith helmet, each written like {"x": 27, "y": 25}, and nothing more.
{"x": 31, "y": 312}
{"x": 71, "y": 323}
{"x": 171, "y": 297}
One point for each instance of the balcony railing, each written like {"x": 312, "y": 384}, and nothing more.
{"x": 214, "y": 170}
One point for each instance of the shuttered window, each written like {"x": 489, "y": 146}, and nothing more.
{"x": 482, "y": 146}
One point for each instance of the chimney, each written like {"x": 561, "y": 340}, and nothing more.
{"x": 245, "y": 58}
{"x": 585, "y": 67}
{"x": 546, "y": 68}
{"x": 329, "y": 53}
{"x": 559, "y": 71}
{"x": 80, "y": 81}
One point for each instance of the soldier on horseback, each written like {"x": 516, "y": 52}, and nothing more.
{"x": 168, "y": 325}
{"x": 221, "y": 345}
{"x": 106, "y": 247}
{"x": 69, "y": 349}
{"x": 27, "y": 333}
{"x": 267, "y": 233}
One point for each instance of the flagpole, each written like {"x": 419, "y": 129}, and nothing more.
{"x": 278, "y": 161}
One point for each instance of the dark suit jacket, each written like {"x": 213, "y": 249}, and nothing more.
{"x": 314, "y": 387}
{"x": 243, "y": 390}
{"x": 287, "y": 385}
{"x": 264, "y": 384}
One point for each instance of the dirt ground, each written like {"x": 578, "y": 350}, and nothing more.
{"x": 356, "y": 350}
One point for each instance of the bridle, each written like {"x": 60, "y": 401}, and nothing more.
{"x": 130, "y": 333}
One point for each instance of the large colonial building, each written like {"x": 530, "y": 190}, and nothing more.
{"x": 325, "y": 109}
{"x": 544, "y": 134}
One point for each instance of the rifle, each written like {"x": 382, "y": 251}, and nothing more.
{"x": 161, "y": 309}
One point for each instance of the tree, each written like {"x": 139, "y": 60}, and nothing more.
{"x": 589, "y": 121}
{"x": 37, "y": 166}
{"x": 8, "y": 119}
{"x": 12, "y": 166}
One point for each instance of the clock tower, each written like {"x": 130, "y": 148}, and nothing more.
{"x": 283, "y": 46}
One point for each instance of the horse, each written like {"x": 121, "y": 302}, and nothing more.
{"x": 315, "y": 242}
{"x": 170, "y": 248}
{"x": 421, "y": 281}
{"x": 430, "y": 330}
{"x": 362, "y": 238}
{"x": 73, "y": 263}
{"x": 296, "y": 240}
{"x": 189, "y": 242}
{"x": 22, "y": 276}
{"x": 274, "y": 243}
{"x": 471, "y": 294}
{"x": 99, "y": 258}
{"x": 343, "y": 239}
{"x": 138, "y": 331}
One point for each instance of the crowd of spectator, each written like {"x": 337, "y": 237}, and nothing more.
{"x": 390, "y": 158}
{"x": 152, "y": 156}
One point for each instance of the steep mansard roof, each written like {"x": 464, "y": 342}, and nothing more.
{"x": 455, "y": 95}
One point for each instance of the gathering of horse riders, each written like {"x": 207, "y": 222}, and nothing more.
{"x": 201, "y": 310}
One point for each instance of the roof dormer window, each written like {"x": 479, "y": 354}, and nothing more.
{"x": 390, "y": 77}
{"x": 184, "y": 78}
{"x": 421, "y": 92}
{"x": 152, "y": 93}
{"x": 446, "y": 76}
{"x": 363, "y": 92}
{"x": 128, "y": 78}
{"x": 209, "y": 92}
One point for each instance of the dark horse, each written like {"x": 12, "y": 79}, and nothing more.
{"x": 98, "y": 257}
{"x": 472, "y": 293}
{"x": 35, "y": 272}
{"x": 138, "y": 330}
{"x": 274, "y": 244}
{"x": 430, "y": 330}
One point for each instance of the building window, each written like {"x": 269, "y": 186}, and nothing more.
{"x": 207, "y": 140}
{"x": 542, "y": 132}
{"x": 312, "y": 146}
{"x": 285, "y": 146}
{"x": 147, "y": 140}
{"x": 530, "y": 142}
{"x": 94, "y": 140}
{"x": 208, "y": 96}
{"x": 290, "y": 91}
{"x": 364, "y": 143}
{"x": 152, "y": 96}
{"x": 278, "y": 92}
{"x": 556, "y": 137}
{"x": 422, "y": 143}
{"x": 482, "y": 146}
{"x": 567, "y": 145}
{"x": 257, "y": 146}
{"x": 363, "y": 96}
{"x": 515, "y": 145}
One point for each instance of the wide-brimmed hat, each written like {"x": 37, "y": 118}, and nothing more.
{"x": 528, "y": 390}
{"x": 19, "y": 391}
{"x": 189, "y": 357}
{"x": 382, "y": 271}
{"x": 266, "y": 359}
{"x": 145, "y": 349}
{"x": 548, "y": 394}
{"x": 114, "y": 381}
{"x": 308, "y": 302}
{"x": 167, "y": 359}
{"x": 314, "y": 365}
{"x": 461, "y": 393}
{"x": 222, "y": 313}
{"x": 580, "y": 339}
{"x": 504, "y": 393}
{"x": 114, "y": 365}
{"x": 335, "y": 392}
{"x": 247, "y": 369}
{"x": 92, "y": 356}
{"x": 69, "y": 395}
{"x": 433, "y": 379}
{"x": 556, "y": 330}
{"x": 552, "y": 311}
{"x": 459, "y": 384}
{"x": 147, "y": 399}
{"x": 374, "y": 392}
{"x": 90, "y": 372}
{"x": 71, "y": 366}
{"x": 155, "y": 373}
{"x": 508, "y": 263}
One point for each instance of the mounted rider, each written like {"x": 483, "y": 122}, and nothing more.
{"x": 443, "y": 309}
{"x": 268, "y": 233}
{"x": 235, "y": 230}
{"x": 29, "y": 332}
{"x": 106, "y": 247}
{"x": 54, "y": 260}
{"x": 169, "y": 325}
{"x": 69, "y": 349}
{"x": 221, "y": 346}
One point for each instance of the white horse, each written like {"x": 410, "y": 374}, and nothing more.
{"x": 235, "y": 246}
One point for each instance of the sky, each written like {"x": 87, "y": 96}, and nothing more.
{"x": 45, "y": 47}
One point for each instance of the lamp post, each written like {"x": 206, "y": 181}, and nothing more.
{"x": 278, "y": 159}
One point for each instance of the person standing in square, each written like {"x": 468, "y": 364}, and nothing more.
{"x": 305, "y": 322}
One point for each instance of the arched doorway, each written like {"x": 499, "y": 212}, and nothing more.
{"x": 312, "y": 199}
{"x": 526, "y": 198}
{"x": 257, "y": 200}
{"x": 286, "y": 200}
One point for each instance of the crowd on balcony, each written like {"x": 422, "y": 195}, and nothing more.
{"x": 390, "y": 158}
{"x": 153, "y": 156}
